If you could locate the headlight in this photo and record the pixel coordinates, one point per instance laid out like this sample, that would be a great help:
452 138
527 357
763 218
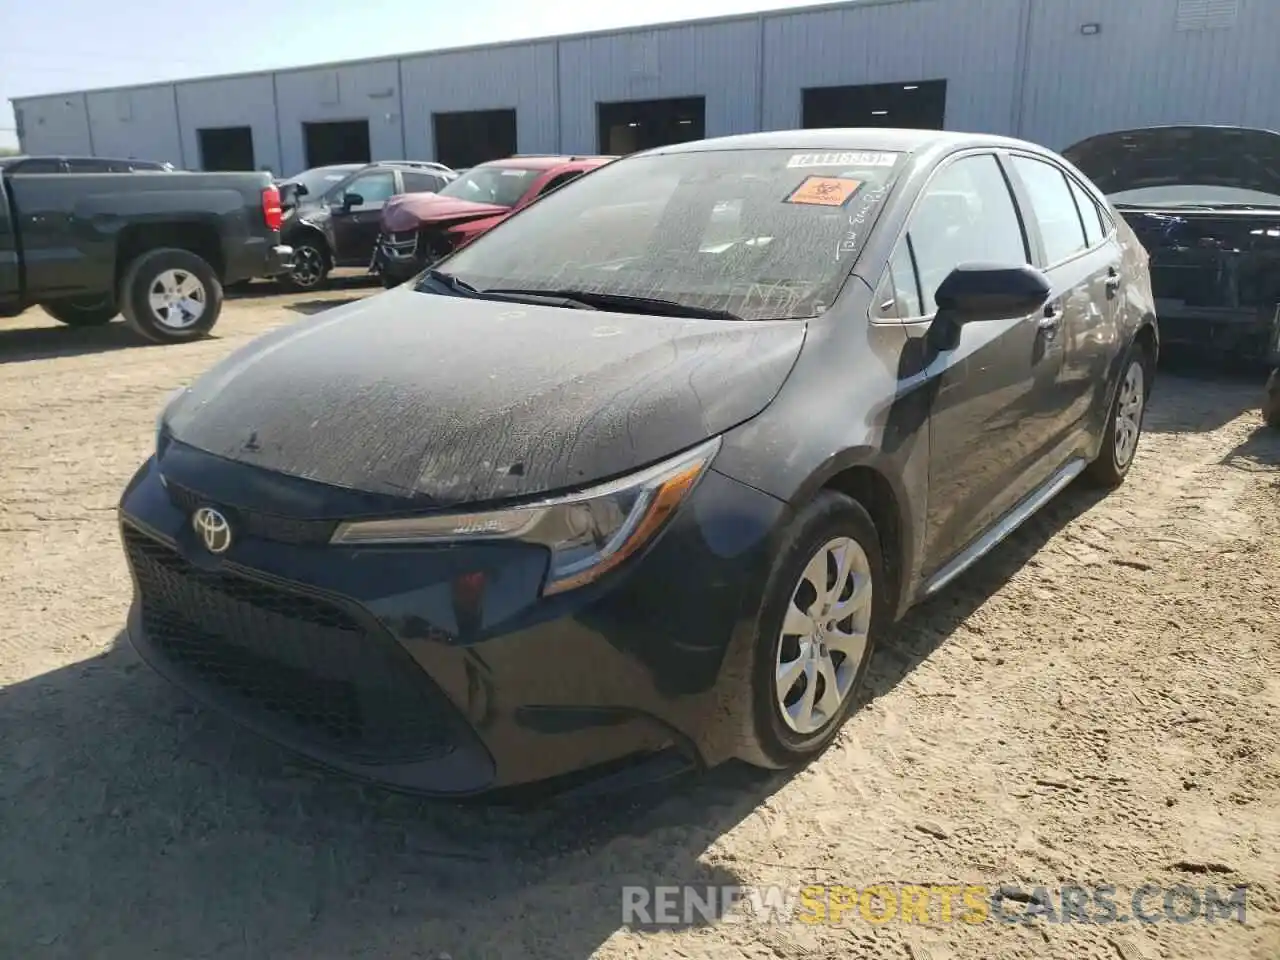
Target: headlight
588 533
164 409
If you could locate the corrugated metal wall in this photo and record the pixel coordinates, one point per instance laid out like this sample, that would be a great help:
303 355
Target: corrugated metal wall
716 61
141 122
358 91
521 76
58 124
972 44
1049 70
231 102
1139 69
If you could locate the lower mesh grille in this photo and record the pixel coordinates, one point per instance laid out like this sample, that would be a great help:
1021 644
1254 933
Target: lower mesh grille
302 665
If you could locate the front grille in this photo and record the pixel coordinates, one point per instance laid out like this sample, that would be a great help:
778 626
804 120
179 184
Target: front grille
402 246
299 665
265 526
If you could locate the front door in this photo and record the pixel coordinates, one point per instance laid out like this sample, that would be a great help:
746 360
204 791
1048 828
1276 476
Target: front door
355 226
990 390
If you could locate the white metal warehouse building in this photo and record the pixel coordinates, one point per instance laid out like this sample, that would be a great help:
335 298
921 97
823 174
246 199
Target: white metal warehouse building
1052 71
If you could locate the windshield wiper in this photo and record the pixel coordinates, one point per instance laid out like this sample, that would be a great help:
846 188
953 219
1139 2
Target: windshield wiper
623 304
452 282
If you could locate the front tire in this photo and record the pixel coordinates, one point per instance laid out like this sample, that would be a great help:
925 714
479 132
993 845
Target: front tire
824 605
1124 424
92 312
171 296
311 266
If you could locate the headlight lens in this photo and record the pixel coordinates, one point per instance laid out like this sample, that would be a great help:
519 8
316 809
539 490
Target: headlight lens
164 409
588 533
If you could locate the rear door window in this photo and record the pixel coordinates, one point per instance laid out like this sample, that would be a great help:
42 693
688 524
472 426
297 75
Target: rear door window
1053 208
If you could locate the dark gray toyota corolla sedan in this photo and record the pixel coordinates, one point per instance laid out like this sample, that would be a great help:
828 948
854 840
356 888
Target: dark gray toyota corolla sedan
634 481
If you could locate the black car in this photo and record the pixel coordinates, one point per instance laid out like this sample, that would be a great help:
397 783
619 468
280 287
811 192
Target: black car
643 472
59 164
332 212
1205 201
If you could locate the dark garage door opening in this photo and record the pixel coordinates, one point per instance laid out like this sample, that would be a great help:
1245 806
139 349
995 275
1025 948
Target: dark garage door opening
644 124
921 105
226 148
337 141
471 137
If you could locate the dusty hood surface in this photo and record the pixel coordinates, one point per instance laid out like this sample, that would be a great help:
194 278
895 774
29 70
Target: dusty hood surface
408 210
1236 157
454 400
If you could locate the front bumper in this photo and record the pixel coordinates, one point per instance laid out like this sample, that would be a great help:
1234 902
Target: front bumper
398 257
442 670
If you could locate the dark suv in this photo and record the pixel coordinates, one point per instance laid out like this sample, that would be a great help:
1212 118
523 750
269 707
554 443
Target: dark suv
332 212
46 164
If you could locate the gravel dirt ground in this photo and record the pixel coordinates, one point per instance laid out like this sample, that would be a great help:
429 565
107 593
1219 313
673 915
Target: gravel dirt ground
1097 703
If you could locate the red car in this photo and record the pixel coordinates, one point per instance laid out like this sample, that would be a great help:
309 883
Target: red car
417 229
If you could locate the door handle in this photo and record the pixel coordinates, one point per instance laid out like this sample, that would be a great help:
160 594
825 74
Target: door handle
1113 280
1052 318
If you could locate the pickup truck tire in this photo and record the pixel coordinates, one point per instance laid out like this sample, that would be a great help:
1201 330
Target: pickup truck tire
311 265
82 313
170 296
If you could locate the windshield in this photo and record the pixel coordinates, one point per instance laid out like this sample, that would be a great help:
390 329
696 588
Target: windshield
760 234
1179 194
322 179
503 186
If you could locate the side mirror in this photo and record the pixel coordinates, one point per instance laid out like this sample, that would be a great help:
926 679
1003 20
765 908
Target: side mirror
350 200
978 292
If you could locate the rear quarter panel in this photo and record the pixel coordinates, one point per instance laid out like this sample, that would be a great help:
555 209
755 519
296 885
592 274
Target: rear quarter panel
70 225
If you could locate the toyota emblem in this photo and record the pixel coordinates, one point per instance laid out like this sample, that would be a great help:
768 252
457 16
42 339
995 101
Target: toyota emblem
212 529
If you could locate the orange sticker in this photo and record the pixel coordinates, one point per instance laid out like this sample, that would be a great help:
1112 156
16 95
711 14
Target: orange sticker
824 191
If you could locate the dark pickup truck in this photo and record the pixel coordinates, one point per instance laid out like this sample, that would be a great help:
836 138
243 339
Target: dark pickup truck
155 247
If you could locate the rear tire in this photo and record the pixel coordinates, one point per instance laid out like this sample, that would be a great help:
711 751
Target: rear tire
171 296
816 633
1271 400
1124 423
88 312
311 266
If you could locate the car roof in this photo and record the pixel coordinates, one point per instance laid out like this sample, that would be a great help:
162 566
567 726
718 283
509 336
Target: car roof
545 162
890 139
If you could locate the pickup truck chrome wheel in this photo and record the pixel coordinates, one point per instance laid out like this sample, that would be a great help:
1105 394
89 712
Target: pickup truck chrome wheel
1129 408
170 295
824 636
178 299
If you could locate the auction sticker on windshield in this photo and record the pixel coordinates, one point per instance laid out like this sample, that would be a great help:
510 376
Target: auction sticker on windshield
856 159
824 191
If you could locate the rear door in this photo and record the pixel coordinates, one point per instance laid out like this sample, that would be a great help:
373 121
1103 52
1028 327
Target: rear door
355 228
1083 266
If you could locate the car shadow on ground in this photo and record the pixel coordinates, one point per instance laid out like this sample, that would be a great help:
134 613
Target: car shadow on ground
1184 382
1259 453
21 344
135 824
312 307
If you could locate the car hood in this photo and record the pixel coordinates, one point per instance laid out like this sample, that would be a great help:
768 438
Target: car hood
452 400
409 210
1237 157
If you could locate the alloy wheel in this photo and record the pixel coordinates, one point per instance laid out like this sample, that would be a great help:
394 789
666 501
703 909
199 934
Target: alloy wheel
1129 408
824 636
177 299
308 266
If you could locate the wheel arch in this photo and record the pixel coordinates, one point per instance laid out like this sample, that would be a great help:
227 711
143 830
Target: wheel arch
863 476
